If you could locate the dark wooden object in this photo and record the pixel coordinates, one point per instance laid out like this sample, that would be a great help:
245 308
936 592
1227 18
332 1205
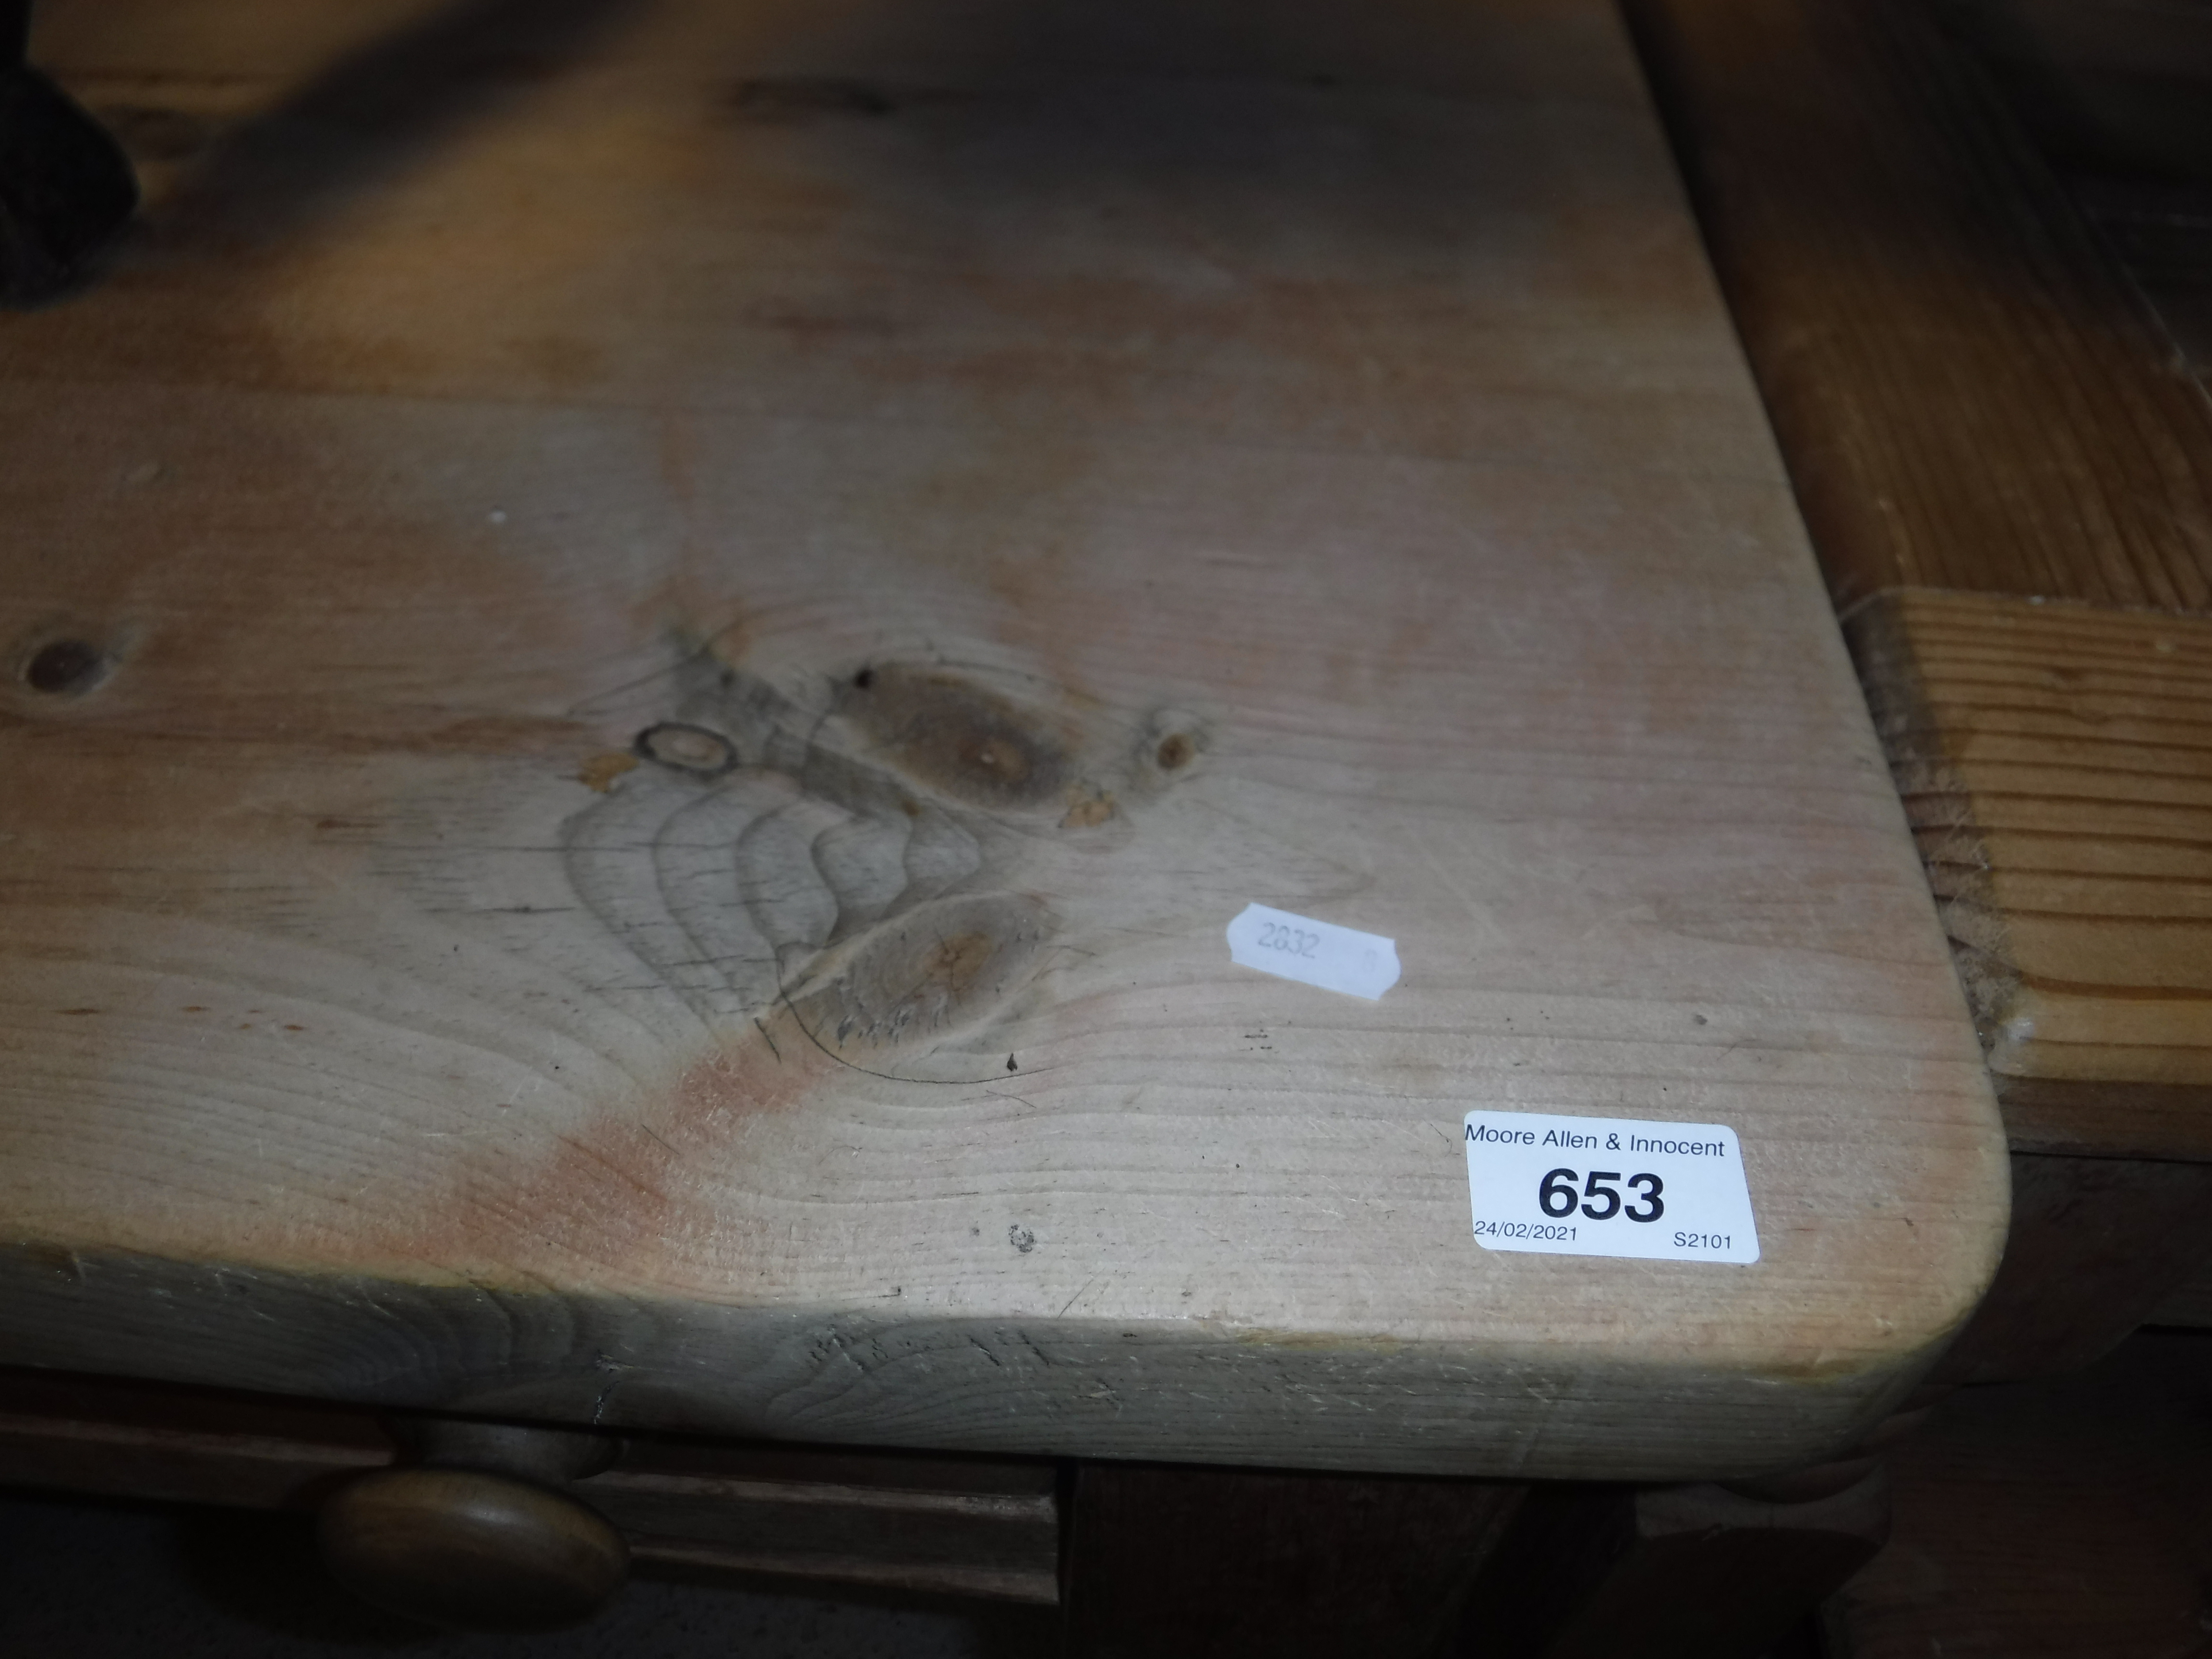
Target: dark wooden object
1676 1572
472 1548
2161 232
2063 1518
2113 85
1163 1560
1967 393
2097 1244
2007 468
66 187
482 1530
181 1445
1209 1563
980 1528
984 1527
2188 1304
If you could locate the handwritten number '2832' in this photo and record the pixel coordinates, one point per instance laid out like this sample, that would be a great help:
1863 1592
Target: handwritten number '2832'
1600 1199
1292 941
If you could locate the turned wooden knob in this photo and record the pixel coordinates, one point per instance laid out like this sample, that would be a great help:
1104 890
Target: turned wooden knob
470 1549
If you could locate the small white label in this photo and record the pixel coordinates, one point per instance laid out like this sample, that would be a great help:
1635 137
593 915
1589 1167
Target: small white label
1608 1185
1314 952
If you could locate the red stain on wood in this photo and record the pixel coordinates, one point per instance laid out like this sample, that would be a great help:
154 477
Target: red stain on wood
641 1192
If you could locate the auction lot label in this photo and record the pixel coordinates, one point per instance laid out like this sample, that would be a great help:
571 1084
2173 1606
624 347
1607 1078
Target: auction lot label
1608 1185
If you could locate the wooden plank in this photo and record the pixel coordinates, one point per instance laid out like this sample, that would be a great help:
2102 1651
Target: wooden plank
1969 395
129 1440
2056 762
929 1525
1979 411
1087 472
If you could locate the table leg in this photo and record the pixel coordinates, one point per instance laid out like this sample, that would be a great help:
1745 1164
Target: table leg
1666 1573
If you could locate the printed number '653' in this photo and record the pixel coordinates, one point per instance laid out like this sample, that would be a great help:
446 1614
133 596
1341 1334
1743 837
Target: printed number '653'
1600 1200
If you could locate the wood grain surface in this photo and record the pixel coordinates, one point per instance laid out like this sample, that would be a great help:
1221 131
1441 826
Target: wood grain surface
1948 320
1969 392
2056 762
650 644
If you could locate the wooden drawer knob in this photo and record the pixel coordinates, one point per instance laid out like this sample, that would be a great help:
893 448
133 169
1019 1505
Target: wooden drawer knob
470 1549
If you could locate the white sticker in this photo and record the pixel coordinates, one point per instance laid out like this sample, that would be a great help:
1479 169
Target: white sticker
1608 1185
1314 952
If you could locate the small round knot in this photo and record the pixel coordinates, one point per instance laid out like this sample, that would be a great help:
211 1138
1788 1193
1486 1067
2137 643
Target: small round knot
687 748
66 667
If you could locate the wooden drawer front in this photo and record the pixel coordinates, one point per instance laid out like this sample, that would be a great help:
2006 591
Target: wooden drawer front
944 1526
